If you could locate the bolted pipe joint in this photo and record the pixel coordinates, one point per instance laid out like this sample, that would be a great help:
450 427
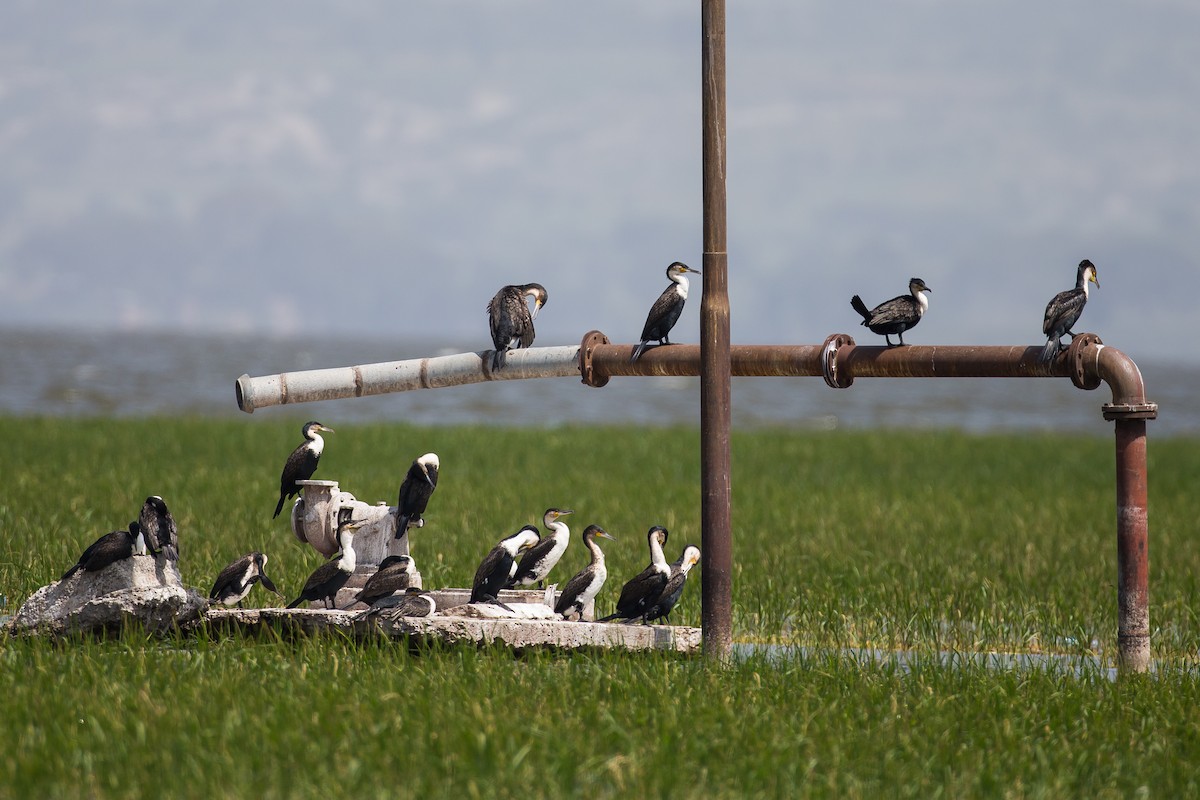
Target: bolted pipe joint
829 361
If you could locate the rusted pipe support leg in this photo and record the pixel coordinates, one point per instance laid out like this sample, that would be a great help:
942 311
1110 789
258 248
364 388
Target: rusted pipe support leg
1133 594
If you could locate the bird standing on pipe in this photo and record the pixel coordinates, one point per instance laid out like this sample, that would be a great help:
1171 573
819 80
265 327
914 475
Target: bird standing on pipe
896 315
1064 309
415 491
510 319
666 309
302 463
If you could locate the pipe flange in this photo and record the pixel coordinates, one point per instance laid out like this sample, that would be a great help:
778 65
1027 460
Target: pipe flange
829 365
591 340
1079 352
1115 411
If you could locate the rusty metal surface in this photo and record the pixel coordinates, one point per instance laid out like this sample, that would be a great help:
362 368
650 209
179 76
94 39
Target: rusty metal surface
1133 558
715 385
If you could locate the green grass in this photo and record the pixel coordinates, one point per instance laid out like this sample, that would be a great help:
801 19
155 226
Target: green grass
928 541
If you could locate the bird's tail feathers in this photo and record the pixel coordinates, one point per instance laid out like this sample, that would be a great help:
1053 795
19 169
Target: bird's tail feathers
278 507
858 305
295 603
1051 350
637 352
499 357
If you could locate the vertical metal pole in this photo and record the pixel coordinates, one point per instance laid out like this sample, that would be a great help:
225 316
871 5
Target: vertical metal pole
716 548
1133 562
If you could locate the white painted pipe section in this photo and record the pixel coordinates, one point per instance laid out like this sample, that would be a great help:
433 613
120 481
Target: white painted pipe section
403 376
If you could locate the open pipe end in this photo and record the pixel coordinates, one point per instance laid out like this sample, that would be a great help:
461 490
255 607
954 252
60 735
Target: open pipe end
239 388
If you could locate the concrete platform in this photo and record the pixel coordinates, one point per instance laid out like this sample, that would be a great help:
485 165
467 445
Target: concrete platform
454 629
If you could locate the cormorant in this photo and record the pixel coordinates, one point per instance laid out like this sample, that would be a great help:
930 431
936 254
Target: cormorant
1063 311
331 576
234 582
586 584
393 575
413 603
159 528
496 568
674 589
666 309
302 463
415 490
510 319
896 315
640 591
108 549
540 559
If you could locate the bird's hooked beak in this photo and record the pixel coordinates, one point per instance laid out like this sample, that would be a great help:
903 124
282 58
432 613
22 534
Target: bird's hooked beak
325 430
603 534
537 306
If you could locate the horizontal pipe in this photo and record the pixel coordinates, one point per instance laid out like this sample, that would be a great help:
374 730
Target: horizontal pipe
308 386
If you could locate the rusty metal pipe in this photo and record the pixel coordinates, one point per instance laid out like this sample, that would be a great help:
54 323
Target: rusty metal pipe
716 573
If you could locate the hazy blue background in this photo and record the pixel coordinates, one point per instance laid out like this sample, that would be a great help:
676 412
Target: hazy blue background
376 168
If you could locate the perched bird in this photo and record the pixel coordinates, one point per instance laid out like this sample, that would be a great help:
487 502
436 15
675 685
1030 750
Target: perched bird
413 603
640 591
510 319
159 528
896 315
540 559
108 549
415 491
234 582
331 576
661 608
1063 311
666 309
393 575
586 584
496 568
302 463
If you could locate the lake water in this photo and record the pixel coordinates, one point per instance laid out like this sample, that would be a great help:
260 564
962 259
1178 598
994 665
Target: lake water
128 374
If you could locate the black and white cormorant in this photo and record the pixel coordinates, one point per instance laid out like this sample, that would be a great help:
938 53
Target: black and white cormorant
393 575
642 590
666 309
159 528
1063 311
415 491
583 588
497 566
331 576
413 603
108 549
302 463
510 319
234 582
896 315
661 608
540 559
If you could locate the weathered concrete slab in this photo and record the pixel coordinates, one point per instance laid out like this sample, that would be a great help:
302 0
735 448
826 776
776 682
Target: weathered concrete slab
516 633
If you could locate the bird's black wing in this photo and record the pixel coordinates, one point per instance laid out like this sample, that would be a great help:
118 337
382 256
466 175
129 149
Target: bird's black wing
639 591
159 528
384 582
1063 312
92 559
671 592
898 310
572 590
229 576
491 574
663 315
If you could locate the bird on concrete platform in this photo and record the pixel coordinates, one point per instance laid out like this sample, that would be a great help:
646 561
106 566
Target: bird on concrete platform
583 588
1064 309
159 528
331 576
413 603
415 491
510 319
640 591
393 575
109 549
662 607
896 315
497 566
666 309
540 559
235 581
302 463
